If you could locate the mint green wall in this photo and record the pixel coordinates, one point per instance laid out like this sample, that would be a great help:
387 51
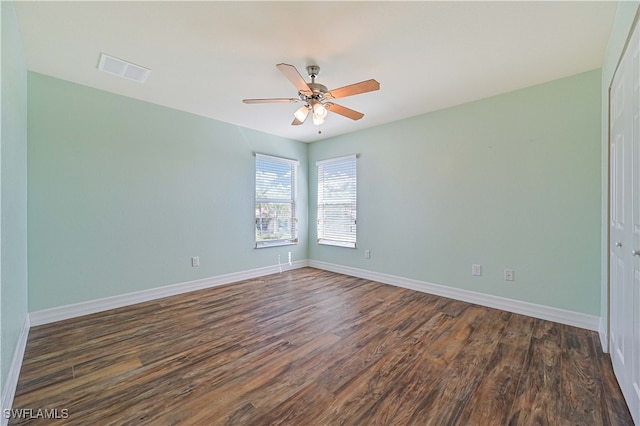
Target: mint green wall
511 181
13 203
621 28
122 193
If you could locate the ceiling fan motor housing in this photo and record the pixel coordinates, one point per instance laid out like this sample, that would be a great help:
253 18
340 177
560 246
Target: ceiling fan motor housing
318 89
313 71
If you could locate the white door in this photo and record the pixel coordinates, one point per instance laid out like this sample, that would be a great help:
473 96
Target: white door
625 225
634 68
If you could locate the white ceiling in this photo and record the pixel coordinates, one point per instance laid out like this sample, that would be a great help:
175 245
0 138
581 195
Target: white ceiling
206 57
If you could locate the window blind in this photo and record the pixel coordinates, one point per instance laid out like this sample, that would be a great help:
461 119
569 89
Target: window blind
337 201
276 222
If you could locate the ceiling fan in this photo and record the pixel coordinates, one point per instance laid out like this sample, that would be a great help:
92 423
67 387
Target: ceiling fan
316 96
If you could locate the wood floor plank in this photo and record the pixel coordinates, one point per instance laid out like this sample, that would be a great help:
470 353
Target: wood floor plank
311 347
399 403
452 390
491 402
55 393
308 403
538 395
245 385
614 408
578 379
359 395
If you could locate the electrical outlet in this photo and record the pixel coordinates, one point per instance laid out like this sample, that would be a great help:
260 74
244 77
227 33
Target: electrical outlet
367 254
508 274
195 261
476 269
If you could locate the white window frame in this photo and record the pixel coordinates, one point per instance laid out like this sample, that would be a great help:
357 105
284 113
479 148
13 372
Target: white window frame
337 221
275 198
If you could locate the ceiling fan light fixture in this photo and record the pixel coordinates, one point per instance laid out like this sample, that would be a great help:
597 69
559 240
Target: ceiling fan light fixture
301 113
319 113
319 110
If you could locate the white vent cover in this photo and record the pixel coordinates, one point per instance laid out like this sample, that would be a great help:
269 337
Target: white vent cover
122 68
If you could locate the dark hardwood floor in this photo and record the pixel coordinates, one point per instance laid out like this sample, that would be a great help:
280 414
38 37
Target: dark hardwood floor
310 347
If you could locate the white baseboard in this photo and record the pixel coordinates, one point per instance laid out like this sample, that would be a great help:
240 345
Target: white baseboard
576 319
9 389
93 306
604 335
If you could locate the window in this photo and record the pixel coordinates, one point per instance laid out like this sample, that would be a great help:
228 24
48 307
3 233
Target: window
275 201
337 196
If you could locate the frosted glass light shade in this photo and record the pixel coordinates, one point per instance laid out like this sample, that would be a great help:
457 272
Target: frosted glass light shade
301 113
319 111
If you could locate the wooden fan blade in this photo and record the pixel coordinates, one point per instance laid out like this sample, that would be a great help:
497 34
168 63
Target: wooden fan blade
270 100
344 111
294 77
354 89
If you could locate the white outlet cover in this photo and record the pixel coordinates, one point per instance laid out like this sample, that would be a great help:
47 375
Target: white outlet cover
476 269
508 274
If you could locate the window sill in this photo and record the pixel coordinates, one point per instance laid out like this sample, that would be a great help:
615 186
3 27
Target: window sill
266 244
345 244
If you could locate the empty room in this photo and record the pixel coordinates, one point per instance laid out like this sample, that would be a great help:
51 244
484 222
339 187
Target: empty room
320 213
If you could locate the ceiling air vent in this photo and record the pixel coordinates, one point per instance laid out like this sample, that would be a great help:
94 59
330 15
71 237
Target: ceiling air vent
122 68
